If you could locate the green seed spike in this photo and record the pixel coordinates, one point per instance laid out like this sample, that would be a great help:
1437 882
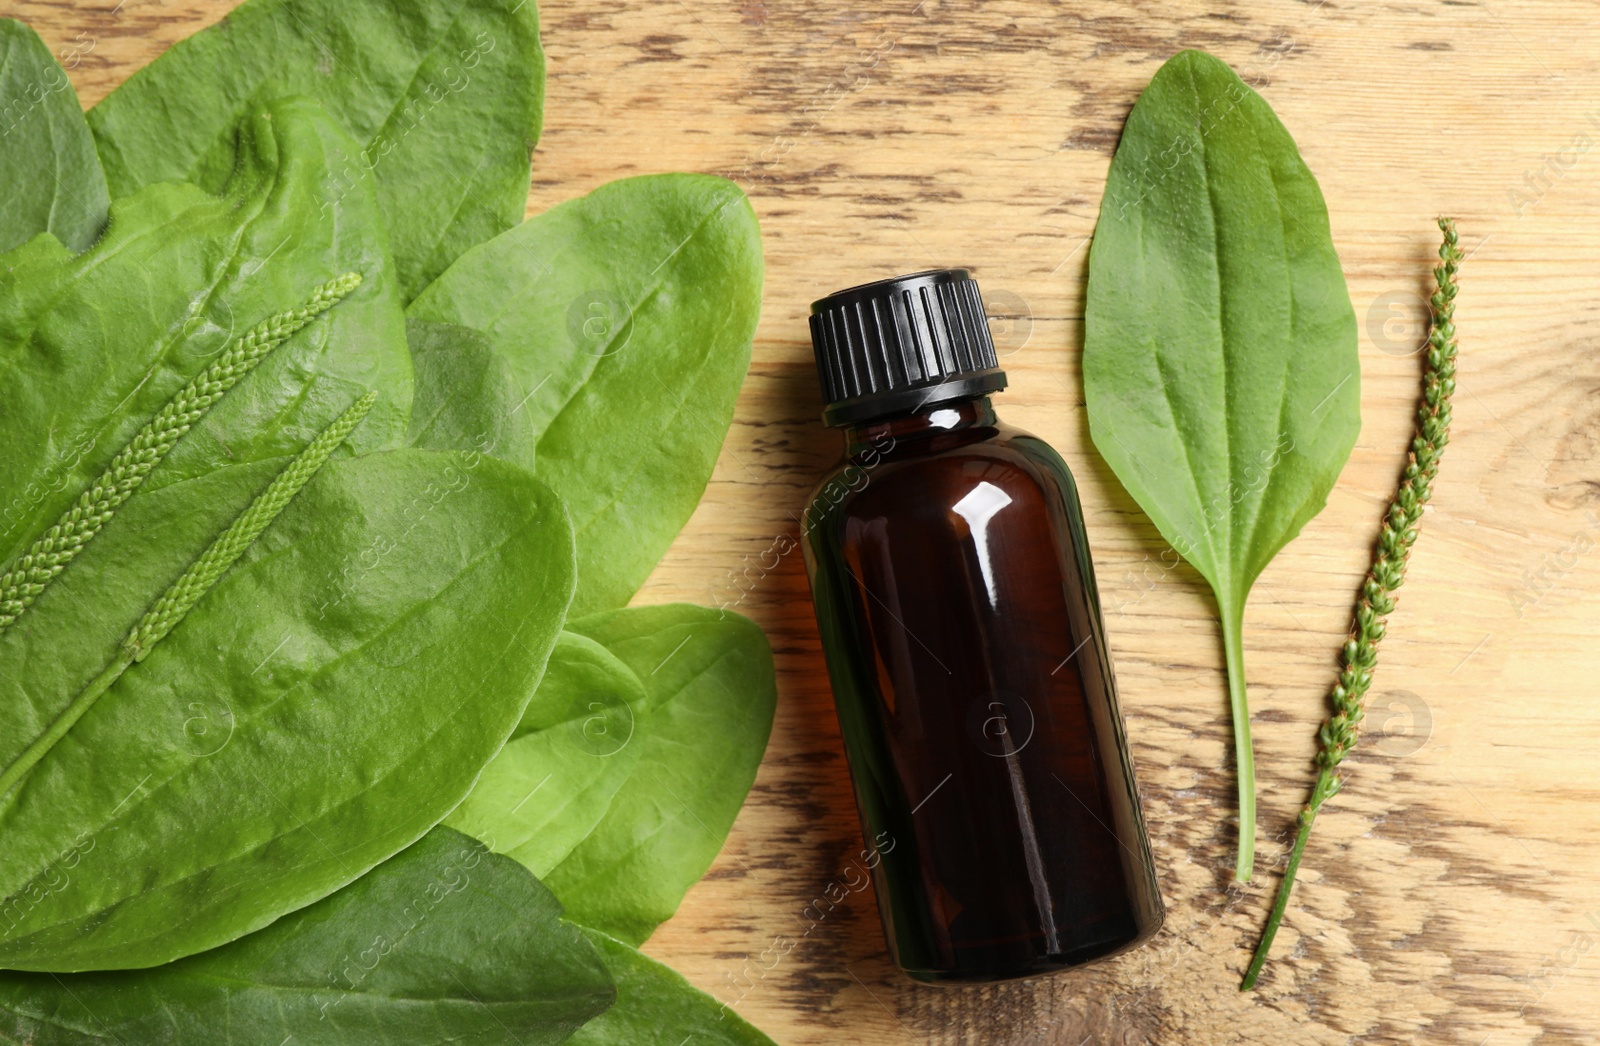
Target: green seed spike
214 562
24 579
1360 654
196 581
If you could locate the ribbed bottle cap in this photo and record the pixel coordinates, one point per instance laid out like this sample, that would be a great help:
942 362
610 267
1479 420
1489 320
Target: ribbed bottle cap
896 346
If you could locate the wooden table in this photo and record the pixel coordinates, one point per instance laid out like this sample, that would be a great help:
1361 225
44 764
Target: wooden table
1450 894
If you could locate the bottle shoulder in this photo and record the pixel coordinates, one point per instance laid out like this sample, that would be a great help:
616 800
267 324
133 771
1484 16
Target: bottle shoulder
933 473
1000 443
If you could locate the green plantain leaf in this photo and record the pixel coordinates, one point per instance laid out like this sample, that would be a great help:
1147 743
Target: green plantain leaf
331 698
575 747
51 178
657 1007
1219 363
444 98
442 943
465 394
626 318
632 761
343 683
712 695
92 346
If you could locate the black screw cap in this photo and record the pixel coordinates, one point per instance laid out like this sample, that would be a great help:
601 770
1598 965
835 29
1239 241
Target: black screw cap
897 346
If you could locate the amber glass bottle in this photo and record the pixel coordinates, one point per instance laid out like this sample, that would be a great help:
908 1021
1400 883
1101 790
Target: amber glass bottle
964 641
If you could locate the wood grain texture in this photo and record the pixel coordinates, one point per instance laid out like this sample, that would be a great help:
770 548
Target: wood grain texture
1450 892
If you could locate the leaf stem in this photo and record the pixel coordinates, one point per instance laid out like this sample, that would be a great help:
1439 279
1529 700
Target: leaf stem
1325 786
64 722
1341 730
1243 748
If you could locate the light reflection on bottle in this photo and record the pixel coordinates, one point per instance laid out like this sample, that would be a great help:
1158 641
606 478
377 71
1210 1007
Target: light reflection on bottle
978 508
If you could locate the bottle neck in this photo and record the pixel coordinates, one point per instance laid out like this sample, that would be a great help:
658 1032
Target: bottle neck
941 419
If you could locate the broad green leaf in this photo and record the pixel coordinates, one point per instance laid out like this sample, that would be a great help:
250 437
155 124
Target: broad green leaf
93 345
1219 361
657 1007
332 697
577 744
626 317
465 398
709 676
50 178
442 943
444 98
